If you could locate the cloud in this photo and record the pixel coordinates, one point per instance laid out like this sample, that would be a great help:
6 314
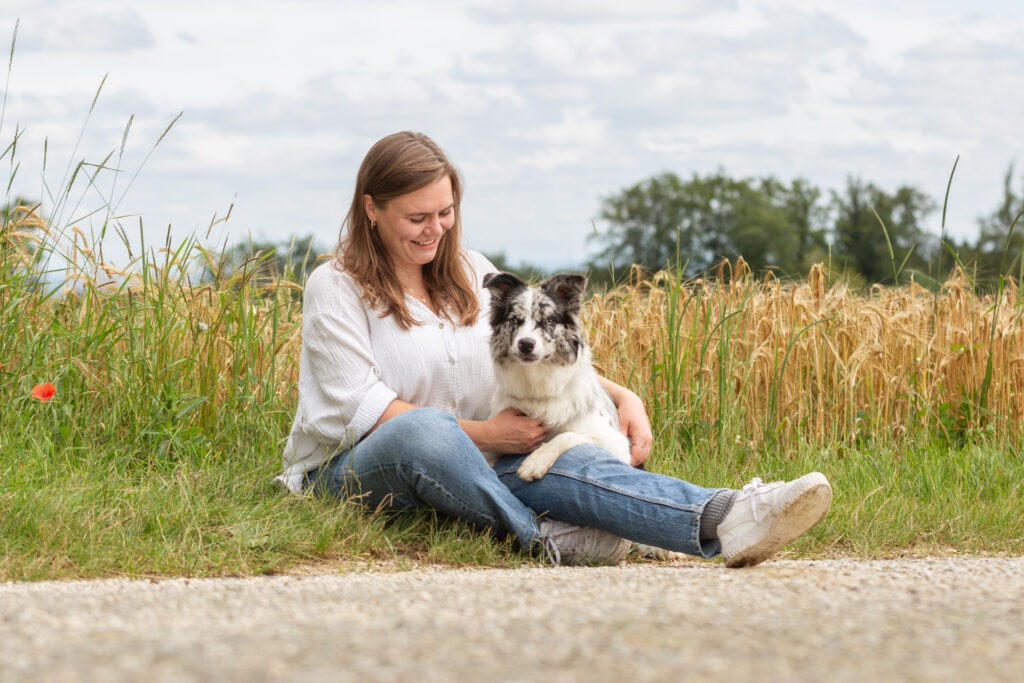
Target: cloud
797 35
75 30
948 93
545 107
576 11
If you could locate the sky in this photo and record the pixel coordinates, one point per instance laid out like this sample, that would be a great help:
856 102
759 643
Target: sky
546 107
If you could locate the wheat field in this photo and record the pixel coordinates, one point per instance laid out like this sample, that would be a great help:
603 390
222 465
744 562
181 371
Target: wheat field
816 363
146 408
759 360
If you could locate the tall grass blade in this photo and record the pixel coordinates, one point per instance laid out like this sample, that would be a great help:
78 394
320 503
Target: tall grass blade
135 175
10 70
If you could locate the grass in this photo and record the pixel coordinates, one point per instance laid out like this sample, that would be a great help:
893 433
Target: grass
175 387
907 399
173 398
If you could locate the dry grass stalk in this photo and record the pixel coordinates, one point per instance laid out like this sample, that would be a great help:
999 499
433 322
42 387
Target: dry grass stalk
814 362
198 337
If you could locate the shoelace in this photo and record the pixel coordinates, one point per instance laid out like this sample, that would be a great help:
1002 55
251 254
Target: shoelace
551 552
752 488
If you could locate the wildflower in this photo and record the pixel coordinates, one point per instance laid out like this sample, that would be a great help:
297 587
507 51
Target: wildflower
44 391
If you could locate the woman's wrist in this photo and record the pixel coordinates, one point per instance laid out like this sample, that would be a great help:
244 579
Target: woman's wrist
478 432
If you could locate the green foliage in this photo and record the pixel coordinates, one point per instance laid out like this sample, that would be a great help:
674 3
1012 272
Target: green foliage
667 222
878 235
868 234
269 262
1000 243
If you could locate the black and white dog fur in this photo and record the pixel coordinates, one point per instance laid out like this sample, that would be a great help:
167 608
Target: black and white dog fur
543 367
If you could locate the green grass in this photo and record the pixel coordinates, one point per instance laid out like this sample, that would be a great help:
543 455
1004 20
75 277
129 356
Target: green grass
918 499
95 511
156 456
81 512
176 386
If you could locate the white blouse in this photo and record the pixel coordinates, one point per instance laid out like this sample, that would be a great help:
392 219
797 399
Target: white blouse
354 363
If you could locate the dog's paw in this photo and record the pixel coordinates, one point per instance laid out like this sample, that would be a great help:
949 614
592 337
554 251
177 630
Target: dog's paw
532 469
541 460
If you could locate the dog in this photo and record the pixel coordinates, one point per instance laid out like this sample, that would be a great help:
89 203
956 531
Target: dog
543 368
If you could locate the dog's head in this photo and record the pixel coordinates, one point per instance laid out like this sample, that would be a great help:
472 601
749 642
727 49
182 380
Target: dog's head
533 324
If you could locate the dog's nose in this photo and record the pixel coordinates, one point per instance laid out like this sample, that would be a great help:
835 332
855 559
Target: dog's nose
526 345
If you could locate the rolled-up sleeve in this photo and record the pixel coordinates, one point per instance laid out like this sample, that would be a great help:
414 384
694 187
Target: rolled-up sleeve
355 363
341 395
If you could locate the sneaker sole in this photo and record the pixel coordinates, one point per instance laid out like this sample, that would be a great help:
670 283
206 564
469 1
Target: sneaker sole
806 508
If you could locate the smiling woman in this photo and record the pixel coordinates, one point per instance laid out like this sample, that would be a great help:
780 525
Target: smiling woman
411 228
403 231
397 387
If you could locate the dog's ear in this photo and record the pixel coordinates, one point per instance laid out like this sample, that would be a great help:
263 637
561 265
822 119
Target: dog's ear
567 287
500 284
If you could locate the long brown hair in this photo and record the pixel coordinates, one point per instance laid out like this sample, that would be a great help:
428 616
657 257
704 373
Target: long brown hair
396 165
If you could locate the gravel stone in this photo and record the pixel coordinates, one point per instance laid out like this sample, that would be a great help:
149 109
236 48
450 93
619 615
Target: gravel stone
936 619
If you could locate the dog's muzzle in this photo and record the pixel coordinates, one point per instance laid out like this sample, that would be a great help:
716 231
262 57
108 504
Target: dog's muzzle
525 348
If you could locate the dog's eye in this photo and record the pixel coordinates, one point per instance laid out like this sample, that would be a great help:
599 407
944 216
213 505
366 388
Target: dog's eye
550 322
514 320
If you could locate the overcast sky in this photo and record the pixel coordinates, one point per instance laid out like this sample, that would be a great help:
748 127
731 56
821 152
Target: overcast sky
546 107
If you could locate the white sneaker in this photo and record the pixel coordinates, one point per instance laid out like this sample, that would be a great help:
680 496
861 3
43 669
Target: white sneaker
765 517
580 545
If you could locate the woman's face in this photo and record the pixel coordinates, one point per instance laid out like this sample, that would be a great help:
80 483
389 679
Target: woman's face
412 225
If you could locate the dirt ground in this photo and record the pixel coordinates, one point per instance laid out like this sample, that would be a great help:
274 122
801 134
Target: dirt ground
935 619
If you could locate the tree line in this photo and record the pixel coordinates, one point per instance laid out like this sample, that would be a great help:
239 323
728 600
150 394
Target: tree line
863 232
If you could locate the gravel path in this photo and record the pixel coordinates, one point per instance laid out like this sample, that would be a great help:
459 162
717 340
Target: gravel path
948 619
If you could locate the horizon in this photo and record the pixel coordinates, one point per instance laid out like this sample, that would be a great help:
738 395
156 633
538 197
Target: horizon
545 110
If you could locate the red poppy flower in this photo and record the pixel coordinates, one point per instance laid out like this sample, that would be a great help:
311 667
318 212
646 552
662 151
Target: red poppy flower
44 392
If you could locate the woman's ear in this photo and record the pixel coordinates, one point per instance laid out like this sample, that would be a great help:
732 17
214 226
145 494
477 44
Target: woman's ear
370 208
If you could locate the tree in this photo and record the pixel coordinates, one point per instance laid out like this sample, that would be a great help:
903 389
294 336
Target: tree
806 216
666 222
879 235
647 225
1000 239
293 259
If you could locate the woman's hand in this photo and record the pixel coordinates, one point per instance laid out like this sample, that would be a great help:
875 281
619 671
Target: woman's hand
510 431
634 424
633 421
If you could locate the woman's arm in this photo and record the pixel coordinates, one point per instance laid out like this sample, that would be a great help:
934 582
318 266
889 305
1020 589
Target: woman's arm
341 395
633 421
510 431
395 408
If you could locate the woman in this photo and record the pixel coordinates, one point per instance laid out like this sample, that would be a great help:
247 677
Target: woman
394 394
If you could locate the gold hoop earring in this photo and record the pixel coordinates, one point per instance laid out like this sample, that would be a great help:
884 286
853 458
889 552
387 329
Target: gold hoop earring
373 225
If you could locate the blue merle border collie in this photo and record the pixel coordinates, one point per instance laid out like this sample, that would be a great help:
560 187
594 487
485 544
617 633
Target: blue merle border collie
543 367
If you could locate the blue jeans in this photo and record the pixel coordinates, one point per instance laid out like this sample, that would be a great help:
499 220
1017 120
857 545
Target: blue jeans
422 458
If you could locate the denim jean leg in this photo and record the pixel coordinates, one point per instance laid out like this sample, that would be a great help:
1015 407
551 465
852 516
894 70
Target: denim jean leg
422 458
589 487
